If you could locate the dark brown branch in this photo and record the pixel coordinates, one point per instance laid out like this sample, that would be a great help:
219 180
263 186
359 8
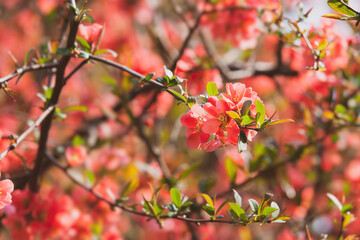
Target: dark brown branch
132 72
59 84
27 132
128 209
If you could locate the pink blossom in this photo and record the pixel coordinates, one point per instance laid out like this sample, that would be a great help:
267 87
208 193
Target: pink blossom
75 156
217 108
6 187
90 33
193 120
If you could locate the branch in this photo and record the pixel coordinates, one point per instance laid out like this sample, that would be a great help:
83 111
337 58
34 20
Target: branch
135 121
59 84
27 132
25 69
132 72
128 209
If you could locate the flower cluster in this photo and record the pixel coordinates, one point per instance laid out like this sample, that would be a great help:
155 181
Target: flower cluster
213 119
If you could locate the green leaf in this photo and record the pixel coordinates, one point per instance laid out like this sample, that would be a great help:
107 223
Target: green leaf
211 89
90 175
264 201
27 56
130 187
268 210
246 107
175 197
242 142
246 119
208 199
78 141
346 208
231 169
100 51
63 51
210 210
222 205
335 200
148 77
334 16
83 43
283 217
60 114
178 95
168 73
340 109
254 205
274 122
79 108
237 198
83 54
19 77
275 213
234 116
110 81
340 7
260 108
237 209
188 170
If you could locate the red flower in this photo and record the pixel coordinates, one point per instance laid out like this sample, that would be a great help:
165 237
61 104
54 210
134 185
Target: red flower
90 33
6 187
76 156
193 120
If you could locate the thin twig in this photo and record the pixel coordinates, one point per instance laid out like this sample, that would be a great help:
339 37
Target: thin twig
132 72
25 69
27 132
128 209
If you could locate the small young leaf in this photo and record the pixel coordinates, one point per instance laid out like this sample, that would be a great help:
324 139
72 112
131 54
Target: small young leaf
130 187
237 209
208 199
264 201
234 116
268 210
108 80
274 122
260 108
210 210
27 56
342 8
168 72
83 43
231 169
277 212
346 208
246 119
78 141
237 197
148 77
175 197
222 205
211 89
178 95
335 200
254 205
90 175
245 108
78 108
242 142
113 53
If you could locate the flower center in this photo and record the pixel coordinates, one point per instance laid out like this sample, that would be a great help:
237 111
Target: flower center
236 99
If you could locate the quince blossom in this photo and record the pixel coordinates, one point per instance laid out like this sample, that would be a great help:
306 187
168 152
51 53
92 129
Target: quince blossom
212 119
6 187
